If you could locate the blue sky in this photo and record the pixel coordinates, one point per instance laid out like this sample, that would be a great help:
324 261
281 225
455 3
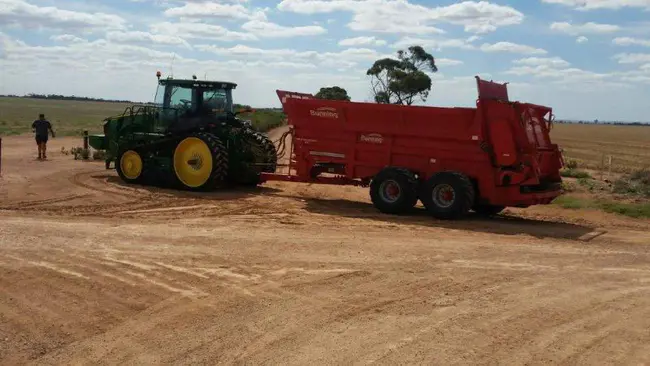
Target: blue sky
588 59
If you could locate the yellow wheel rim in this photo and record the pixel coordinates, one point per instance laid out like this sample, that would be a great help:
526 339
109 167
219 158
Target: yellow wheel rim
193 162
131 164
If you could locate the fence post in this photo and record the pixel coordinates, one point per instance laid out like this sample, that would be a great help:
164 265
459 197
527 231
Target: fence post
609 167
85 140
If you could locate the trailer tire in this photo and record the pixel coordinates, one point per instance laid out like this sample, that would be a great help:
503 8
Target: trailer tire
394 191
488 210
448 195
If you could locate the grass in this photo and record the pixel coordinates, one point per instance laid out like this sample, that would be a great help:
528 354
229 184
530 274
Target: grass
589 145
71 118
635 210
266 119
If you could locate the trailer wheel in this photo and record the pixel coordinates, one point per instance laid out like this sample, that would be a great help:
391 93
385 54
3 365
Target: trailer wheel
488 210
448 195
394 191
129 166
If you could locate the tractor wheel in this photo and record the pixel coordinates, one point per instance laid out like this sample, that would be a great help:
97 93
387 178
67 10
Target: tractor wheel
448 195
394 191
487 210
262 151
200 162
129 166
268 152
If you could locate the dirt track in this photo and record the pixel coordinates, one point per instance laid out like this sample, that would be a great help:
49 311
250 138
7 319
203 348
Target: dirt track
92 271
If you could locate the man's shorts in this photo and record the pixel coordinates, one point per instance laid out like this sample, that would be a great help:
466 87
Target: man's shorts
41 139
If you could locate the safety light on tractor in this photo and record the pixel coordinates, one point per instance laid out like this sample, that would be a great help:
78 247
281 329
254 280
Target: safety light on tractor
158 74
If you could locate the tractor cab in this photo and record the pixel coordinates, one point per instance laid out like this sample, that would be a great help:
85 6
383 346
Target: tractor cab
186 103
195 97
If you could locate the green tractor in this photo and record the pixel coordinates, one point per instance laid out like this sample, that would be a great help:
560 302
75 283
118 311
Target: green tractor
190 138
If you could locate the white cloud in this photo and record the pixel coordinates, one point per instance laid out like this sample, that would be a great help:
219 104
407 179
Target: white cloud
28 16
92 55
265 29
582 39
542 61
192 30
401 16
362 41
632 58
628 41
441 62
586 28
558 72
214 10
146 38
68 38
246 51
512 48
435 44
601 4
345 59
559 75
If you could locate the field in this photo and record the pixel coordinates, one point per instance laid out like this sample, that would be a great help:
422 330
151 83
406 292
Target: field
591 145
96 271
71 118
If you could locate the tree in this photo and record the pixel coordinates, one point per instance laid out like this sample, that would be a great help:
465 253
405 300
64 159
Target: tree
333 93
401 81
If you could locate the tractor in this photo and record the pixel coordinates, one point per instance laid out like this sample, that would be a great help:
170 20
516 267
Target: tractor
190 138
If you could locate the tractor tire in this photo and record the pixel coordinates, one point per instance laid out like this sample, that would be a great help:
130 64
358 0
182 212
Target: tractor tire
394 191
448 195
262 150
487 210
269 153
200 162
129 166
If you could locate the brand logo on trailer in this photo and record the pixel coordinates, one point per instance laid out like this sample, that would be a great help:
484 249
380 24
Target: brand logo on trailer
373 138
325 112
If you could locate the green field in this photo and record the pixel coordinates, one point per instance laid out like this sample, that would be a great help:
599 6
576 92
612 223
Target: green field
71 118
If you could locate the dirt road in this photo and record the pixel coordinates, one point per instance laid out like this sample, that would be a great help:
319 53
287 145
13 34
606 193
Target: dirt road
92 271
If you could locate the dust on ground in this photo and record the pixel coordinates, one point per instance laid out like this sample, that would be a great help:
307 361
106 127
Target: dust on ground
96 271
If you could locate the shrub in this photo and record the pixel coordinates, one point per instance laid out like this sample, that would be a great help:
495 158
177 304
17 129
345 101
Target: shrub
99 155
574 173
572 164
568 187
587 182
637 183
80 153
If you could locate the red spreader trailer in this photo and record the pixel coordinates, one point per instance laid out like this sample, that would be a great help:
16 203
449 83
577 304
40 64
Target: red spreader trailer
453 160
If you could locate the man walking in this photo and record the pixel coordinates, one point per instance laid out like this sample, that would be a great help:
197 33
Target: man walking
41 127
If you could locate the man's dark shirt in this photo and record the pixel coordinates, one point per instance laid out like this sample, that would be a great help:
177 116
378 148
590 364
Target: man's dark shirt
41 127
